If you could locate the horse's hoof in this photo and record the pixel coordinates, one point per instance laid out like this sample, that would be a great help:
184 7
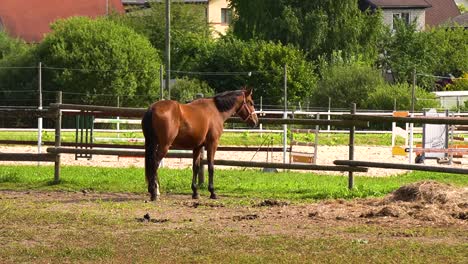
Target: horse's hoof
213 196
195 196
154 198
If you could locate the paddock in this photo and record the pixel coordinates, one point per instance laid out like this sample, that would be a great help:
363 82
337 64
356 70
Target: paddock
350 121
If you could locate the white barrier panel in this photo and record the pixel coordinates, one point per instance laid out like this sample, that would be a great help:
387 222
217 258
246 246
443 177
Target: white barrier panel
435 136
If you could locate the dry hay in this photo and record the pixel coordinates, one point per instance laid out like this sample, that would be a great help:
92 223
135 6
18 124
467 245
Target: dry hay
426 201
429 192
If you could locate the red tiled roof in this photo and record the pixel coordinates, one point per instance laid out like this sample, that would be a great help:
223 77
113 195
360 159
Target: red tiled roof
441 11
399 3
30 19
461 20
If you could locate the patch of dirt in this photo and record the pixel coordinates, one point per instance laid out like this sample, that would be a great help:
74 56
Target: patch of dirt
270 202
424 203
147 218
245 217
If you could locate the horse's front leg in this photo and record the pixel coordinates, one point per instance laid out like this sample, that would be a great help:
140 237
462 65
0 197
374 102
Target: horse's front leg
211 150
195 170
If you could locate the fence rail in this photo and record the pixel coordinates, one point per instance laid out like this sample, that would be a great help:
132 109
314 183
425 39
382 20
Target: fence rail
27 157
399 166
422 120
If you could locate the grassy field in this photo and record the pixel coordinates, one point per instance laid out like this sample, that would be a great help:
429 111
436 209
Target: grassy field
228 139
232 183
96 215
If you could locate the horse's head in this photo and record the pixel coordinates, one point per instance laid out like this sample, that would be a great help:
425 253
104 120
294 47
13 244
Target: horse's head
246 110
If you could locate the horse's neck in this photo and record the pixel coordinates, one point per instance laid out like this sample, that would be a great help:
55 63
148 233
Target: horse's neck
224 115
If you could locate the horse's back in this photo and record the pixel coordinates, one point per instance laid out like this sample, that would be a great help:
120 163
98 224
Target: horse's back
181 125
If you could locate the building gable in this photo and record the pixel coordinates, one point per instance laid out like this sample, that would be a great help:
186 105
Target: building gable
31 19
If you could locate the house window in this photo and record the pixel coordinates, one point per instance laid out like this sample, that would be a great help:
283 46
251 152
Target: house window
226 16
404 16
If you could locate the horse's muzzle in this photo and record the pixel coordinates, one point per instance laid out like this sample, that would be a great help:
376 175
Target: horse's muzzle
253 121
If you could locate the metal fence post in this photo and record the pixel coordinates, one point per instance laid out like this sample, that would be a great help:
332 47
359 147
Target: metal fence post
58 127
352 130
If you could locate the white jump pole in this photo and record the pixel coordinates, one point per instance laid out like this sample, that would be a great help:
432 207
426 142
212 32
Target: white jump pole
412 115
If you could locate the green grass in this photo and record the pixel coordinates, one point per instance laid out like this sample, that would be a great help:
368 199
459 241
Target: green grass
235 183
72 229
89 233
227 139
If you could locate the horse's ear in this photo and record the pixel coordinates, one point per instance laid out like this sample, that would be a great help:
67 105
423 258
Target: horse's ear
248 91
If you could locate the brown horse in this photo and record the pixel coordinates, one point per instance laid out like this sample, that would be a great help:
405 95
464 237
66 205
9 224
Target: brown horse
191 126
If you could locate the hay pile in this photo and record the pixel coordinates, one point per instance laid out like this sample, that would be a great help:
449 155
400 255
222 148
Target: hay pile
428 201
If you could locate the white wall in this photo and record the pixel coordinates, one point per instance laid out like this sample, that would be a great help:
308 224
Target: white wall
214 15
418 14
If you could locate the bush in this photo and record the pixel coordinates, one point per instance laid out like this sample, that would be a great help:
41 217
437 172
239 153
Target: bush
18 73
10 46
100 57
265 60
385 96
460 84
346 83
185 90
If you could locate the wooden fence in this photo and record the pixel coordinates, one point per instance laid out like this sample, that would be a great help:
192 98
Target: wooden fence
350 121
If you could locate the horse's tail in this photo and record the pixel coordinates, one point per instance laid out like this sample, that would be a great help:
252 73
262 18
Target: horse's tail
150 147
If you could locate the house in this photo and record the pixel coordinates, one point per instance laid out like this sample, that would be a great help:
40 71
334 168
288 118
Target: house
441 12
218 14
426 13
30 19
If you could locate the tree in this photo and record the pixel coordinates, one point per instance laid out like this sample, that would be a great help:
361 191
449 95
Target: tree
231 61
18 73
100 57
438 51
387 96
188 25
406 51
317 27
450 48
346 83
10 46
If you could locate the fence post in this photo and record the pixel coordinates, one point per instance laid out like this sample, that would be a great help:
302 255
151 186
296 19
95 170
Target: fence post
161 82
285 114
352 130
58 127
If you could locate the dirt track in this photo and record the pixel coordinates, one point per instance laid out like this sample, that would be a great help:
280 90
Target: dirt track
326 155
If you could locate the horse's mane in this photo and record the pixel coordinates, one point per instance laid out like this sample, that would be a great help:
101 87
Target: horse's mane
225 101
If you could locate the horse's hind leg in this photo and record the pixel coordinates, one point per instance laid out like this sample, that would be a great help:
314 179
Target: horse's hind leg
211 150
160 154
195 170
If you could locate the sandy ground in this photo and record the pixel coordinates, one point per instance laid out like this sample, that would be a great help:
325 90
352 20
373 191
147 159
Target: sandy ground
326 155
